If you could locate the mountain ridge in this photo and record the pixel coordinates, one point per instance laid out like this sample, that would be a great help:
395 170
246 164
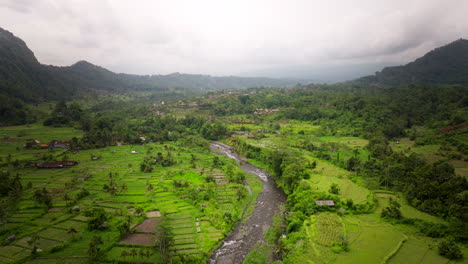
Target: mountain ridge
23 76
447 64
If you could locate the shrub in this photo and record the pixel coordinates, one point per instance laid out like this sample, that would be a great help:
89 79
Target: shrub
449 249
392 210
334 188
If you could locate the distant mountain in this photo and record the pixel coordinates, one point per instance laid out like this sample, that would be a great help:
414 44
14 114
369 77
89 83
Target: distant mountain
202 82
444 65
22 76
319 73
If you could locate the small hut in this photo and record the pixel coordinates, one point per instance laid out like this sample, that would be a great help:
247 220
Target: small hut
329 203
32 143
59 144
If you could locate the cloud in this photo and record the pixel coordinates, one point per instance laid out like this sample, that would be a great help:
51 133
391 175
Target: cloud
227 37
22 6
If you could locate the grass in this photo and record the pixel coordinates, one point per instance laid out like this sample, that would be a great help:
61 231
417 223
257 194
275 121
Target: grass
135 254
328 228
323 233
14 137
433 153
256 187
325 174
348 189
406 210
244 127
186 215
298 127
260 254
198 229
371 240
353 142
416 251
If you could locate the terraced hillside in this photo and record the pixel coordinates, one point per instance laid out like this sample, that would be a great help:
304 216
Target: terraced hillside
200 200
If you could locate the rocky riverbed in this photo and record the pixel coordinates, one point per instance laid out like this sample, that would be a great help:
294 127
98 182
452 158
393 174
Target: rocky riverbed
245 235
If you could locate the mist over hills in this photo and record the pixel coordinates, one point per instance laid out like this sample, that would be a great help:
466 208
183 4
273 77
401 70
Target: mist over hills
321 73
444 65
24 77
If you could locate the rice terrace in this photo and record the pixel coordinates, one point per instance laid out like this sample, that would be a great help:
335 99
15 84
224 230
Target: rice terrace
295 139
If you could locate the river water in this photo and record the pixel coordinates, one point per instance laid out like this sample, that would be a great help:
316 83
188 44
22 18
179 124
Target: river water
245 235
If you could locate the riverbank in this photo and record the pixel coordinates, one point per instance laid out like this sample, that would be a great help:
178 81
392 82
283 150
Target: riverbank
247 233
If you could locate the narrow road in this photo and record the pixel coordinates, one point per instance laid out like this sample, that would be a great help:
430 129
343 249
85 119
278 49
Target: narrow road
244 236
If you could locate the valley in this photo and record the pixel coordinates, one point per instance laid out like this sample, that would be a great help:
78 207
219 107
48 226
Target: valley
104 167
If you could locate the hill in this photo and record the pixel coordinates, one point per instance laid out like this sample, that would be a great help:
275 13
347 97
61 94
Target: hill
23 76
444 65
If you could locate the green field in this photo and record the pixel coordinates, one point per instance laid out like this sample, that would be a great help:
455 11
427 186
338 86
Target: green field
298 127
348 189
197 223
434 152
406 210
370 238
416 251
200 202
13 138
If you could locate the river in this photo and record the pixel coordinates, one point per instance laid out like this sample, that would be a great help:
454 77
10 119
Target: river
245 235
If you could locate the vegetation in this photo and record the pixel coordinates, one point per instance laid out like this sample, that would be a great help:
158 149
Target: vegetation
440 66
164 239
372 173
449 249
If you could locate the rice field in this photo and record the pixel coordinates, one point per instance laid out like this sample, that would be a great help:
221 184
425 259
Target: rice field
416 251
406 210
13 138
58 232
370 238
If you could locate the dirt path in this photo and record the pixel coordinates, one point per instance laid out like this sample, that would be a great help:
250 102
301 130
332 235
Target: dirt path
242 239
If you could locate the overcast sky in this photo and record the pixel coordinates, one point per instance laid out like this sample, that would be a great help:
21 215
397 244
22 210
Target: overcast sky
231 37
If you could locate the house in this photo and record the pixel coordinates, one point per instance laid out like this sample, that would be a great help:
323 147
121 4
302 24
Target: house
59 144
10 238
261 111
32 143
204 106
44 146
56 164
325 203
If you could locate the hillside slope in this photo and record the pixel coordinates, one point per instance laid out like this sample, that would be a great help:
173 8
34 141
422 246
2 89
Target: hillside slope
444 65
22 76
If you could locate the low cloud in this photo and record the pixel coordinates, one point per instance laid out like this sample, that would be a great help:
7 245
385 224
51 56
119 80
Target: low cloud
229 37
